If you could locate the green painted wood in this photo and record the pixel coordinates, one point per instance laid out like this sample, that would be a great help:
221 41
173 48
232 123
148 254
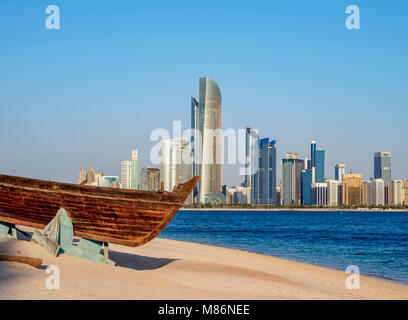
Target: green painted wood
8 230
4 229
57 238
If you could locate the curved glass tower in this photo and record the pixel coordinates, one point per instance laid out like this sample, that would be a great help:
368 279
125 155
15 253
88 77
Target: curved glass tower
208 141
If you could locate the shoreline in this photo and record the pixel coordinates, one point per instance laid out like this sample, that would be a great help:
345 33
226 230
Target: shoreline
294 209
171 269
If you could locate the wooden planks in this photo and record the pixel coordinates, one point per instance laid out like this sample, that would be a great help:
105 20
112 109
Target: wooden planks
126 217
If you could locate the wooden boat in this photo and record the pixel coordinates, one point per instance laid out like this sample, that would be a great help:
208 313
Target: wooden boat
125 217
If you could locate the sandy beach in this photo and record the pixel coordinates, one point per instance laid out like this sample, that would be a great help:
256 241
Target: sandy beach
167 269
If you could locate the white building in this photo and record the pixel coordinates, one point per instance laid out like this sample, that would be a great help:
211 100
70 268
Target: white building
333 192
130 172
397 192
125 174
176 164
375 192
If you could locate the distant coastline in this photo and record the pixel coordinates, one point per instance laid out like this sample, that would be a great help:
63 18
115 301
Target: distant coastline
297 209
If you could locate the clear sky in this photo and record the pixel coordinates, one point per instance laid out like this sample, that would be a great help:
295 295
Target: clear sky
85 95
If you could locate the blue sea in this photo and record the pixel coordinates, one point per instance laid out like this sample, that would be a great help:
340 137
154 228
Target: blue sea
377 242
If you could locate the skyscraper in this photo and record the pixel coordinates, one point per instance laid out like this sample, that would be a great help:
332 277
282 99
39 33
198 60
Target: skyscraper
352 189
339 171
317 163
263 183
332 192
291 191
377 192
251 138
406 192
150 179
382 166
320 165
176 164
397 194
130 172
134 170
82 176
206 120
306 187
125 174
91 177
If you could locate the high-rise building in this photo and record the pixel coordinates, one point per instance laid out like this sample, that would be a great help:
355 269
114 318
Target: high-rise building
251 139
382 166
317 163
176 164
206 121
82 176
365 191
306 177
263 183
339 171
397 193
291 190
320 165
332 192
406 192
125 174
134 170
91 177
352 189
130 172
313 154
319 194
377 192
150 179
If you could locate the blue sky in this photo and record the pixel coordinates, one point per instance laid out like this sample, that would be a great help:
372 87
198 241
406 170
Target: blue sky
87 94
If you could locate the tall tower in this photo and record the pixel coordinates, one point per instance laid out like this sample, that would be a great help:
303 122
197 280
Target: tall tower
263 188
339 171
291 190
125 174
206 119
134 170
251 138
317 163
382 166
82 176
176 166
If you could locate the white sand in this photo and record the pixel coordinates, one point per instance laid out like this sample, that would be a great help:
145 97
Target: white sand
167 269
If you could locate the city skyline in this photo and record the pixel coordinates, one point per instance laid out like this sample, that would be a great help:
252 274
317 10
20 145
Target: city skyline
314 79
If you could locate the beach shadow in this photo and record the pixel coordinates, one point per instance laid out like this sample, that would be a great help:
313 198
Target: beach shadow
136 262
125 260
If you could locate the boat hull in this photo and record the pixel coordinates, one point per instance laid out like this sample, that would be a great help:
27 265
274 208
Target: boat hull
125 217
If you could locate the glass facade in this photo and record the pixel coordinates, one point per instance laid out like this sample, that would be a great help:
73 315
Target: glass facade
263 190
382 166
176 164
339 171
319 165
307 187
251 138
291 191
206 120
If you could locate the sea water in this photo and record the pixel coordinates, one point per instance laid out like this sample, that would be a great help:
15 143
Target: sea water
376 242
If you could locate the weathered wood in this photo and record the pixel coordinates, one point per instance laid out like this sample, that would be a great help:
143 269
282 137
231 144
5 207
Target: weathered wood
35 262
125 217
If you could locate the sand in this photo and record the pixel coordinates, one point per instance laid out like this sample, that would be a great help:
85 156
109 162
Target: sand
167 269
